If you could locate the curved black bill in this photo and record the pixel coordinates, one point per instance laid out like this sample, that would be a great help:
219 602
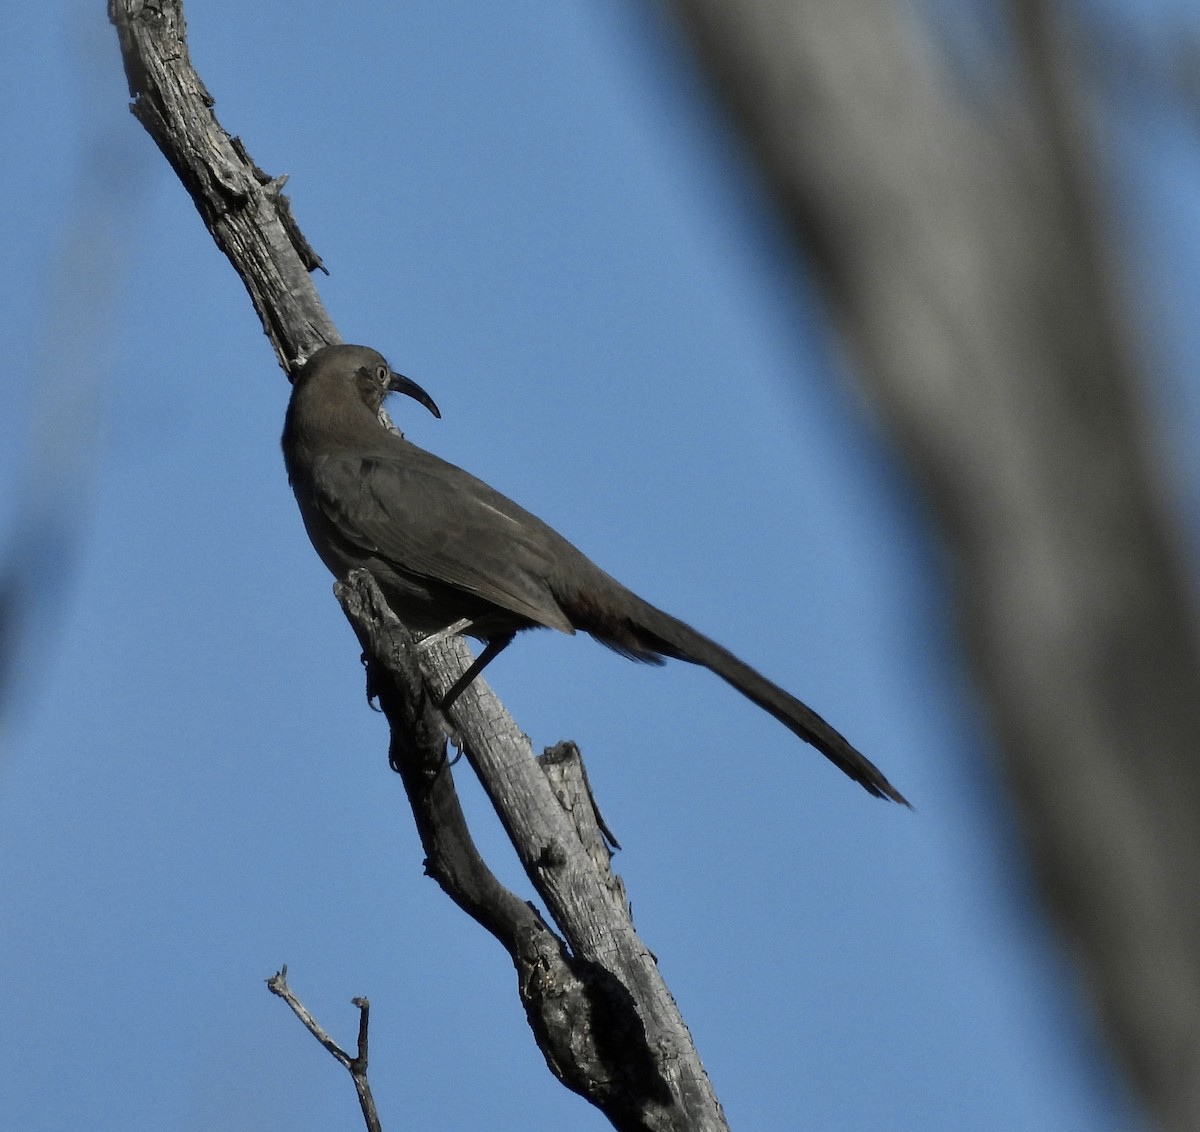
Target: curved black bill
398 383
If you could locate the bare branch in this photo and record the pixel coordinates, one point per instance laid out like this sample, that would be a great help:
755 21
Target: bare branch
243 208
277 984
595 1000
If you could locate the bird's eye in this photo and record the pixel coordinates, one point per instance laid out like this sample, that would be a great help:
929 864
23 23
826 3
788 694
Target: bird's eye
383 373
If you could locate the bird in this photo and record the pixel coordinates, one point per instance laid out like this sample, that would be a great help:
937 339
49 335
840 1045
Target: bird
452 554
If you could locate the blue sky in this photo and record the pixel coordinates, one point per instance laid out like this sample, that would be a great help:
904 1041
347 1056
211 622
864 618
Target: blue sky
539 215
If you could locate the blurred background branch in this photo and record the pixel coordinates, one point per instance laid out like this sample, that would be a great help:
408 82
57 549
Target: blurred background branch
965 249
61 399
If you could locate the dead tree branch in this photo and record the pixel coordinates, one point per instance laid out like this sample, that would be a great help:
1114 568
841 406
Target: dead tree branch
277 984
595 1000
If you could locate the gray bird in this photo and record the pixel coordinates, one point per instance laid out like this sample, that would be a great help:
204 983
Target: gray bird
447 549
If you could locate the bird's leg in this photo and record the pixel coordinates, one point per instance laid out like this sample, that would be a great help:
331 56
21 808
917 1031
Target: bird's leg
494 647
445 634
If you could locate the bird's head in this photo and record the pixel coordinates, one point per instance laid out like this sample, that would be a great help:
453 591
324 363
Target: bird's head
369 372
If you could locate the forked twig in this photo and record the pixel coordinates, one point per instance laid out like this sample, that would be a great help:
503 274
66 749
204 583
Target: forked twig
277 984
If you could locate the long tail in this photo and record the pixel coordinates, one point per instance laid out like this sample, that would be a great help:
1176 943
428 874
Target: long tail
650 633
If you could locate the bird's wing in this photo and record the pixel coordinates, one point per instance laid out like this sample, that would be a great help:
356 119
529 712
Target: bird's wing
431 519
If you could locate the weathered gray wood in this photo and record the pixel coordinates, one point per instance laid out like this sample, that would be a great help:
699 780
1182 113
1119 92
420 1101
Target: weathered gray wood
243 208
601 1012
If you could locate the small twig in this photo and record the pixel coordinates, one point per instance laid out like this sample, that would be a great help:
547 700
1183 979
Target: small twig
277 985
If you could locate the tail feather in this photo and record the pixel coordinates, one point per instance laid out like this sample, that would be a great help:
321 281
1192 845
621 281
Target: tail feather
655 632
